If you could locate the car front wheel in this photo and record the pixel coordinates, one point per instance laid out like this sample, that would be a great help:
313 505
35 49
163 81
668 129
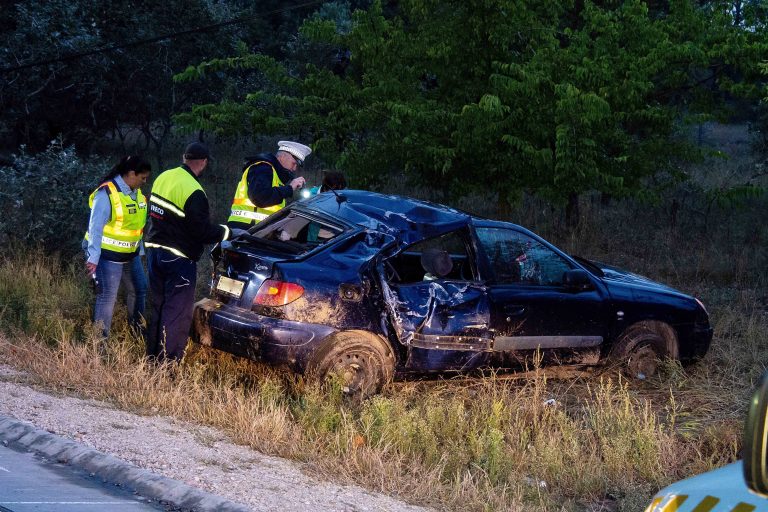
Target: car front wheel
642 347
362 361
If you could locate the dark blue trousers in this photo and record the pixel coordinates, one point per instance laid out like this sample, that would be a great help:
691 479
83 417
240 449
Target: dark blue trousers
172 287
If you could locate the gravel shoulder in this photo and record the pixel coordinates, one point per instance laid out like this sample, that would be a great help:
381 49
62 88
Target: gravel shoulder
198 456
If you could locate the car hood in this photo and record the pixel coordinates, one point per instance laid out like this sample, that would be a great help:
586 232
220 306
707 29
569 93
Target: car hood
621 282
618 275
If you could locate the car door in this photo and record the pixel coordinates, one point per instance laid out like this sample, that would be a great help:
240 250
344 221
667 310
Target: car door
530 307
440 312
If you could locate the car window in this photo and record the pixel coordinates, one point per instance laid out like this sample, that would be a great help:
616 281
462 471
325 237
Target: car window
518 258
296 230
443 257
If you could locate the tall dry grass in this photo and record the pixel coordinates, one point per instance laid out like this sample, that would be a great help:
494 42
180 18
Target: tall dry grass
594 442
39 295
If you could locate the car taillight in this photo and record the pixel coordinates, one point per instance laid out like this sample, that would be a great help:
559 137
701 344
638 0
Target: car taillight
277 293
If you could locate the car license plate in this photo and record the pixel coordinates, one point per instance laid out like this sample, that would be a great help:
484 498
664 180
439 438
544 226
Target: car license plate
230 286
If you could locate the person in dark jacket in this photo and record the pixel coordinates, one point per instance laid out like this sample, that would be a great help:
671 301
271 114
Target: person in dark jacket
179 227
267 181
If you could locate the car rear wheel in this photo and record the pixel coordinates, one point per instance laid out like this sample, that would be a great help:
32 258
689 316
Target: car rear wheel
362 361
642 347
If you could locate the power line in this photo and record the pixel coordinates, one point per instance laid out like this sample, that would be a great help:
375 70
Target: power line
156 39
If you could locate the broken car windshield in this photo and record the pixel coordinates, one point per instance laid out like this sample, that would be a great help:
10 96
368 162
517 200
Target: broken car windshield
294 233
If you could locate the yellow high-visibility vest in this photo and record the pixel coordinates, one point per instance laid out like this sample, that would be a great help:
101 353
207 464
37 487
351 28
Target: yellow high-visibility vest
122 234
243 210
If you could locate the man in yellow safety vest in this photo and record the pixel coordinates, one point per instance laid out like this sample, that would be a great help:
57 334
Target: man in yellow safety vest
179 227
267 181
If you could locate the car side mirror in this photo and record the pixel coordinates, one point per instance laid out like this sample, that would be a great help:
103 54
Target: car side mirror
756 440
577 280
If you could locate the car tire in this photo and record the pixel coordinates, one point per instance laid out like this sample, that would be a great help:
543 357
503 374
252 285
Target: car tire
363 361
642 346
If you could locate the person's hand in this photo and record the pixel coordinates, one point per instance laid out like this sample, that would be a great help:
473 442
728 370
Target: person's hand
90 268
297 183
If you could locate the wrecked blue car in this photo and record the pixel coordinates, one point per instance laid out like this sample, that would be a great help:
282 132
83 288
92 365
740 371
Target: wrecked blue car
369 286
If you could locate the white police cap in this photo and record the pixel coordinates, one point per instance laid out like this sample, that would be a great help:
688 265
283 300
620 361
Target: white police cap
300 151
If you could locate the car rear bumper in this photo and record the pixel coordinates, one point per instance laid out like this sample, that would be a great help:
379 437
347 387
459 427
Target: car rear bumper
261 338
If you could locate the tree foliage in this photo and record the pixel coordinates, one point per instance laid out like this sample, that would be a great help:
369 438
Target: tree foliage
102 93
499 97
125 89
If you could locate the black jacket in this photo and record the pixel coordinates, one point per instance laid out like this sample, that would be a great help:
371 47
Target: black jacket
260 189
189 233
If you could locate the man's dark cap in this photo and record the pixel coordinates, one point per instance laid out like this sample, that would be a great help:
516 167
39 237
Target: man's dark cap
196 151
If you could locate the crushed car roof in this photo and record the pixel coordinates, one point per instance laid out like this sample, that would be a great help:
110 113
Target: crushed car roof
408 219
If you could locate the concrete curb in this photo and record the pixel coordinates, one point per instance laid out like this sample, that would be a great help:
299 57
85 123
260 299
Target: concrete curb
112 469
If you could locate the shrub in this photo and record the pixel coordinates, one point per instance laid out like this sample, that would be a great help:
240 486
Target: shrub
44 197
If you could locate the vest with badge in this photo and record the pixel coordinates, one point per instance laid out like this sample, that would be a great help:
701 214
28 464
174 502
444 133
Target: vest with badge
122 234
243 210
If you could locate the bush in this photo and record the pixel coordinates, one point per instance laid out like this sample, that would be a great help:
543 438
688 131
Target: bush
44 198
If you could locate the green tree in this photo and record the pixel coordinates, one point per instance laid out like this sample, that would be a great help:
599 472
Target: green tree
499 97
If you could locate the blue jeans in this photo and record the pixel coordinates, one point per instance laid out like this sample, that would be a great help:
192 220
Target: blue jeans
172 281
134 283
109 274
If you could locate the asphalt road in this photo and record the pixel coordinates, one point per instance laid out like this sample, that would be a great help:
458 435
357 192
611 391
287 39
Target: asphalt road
101 468
29 482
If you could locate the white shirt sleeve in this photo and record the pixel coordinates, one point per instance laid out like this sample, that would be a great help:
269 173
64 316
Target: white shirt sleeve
101 213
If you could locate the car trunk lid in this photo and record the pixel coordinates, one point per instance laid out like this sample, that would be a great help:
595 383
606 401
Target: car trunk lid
240 273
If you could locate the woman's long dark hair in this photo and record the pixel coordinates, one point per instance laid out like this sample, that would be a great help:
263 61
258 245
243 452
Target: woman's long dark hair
128 163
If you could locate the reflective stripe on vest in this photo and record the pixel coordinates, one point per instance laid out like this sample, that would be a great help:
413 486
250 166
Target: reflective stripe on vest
169 249
239 215
178 252
111 243
165 204
243 210
126 223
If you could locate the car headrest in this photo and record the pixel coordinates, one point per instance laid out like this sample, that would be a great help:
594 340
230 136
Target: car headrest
436 262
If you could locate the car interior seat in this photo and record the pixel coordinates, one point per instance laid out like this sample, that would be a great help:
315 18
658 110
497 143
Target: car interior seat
436 263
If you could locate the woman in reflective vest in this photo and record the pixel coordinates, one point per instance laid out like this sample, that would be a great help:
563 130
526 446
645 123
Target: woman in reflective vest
113 241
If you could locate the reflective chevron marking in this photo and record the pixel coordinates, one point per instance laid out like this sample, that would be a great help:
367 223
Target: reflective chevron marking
674 502
743 507
707 504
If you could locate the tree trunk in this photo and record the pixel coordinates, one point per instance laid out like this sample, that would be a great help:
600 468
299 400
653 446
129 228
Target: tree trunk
572 214
503 208
673 210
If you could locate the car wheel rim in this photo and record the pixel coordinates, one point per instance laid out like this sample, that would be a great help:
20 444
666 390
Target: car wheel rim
355 373
643 362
